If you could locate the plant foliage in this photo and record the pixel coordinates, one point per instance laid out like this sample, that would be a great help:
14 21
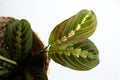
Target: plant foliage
69 43
17 35
17 62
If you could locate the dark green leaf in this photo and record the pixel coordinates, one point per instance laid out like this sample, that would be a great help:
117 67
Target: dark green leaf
4 53
5 57
19 39
6 64
5 72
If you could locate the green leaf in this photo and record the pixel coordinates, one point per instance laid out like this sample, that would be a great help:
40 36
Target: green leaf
69 43
5 72
4 53
82 55
19 39
68 51
73 30
6 64
5 57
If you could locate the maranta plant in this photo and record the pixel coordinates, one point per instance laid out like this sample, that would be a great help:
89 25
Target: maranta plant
68 45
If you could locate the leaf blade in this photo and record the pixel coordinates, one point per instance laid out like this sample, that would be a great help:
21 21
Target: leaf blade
75 29
87 58
19 39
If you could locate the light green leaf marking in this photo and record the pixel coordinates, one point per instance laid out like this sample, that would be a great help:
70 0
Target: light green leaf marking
7 60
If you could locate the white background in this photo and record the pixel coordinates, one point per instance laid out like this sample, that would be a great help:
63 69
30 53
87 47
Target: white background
44 15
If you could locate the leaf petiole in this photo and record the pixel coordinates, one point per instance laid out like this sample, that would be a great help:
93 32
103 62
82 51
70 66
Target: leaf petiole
8 60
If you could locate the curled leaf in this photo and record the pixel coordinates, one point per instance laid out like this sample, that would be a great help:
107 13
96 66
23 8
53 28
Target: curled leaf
19 39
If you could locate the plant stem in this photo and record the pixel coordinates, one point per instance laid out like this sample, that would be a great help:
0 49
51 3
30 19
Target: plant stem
43 50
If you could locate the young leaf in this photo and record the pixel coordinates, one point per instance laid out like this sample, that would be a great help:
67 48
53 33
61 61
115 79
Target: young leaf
19 39
73 30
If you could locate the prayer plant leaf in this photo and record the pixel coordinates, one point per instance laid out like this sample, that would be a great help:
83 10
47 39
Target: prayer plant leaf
19 39
73 30
82 55
69 43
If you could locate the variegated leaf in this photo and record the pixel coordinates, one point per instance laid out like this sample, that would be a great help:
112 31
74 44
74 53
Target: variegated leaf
19 39
69 44
73 30
81 56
